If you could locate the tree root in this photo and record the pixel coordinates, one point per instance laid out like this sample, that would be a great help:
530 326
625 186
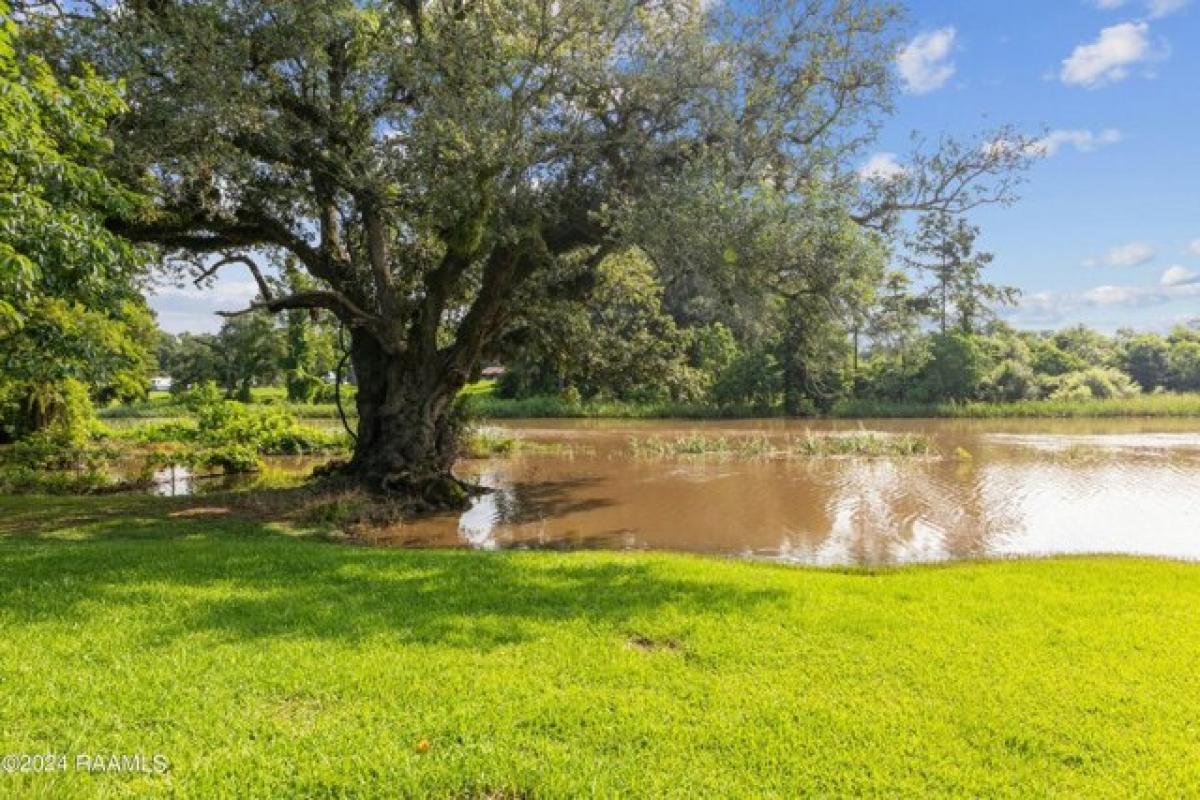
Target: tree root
417 490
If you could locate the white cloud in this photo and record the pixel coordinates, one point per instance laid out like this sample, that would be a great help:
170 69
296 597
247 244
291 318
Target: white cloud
1155 8
1161 8
1112 295
1194 247
221 291
1139 296
1050 308
1179 276
1110 57
881 167
1127 255
1082 140
924 63
189 308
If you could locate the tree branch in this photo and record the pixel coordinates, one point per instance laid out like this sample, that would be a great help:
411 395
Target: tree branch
345 310
263 287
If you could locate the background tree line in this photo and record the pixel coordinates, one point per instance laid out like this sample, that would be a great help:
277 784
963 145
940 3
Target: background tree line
918 327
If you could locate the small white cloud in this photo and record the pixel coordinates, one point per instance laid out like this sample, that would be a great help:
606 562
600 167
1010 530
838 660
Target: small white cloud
1140 296
221 291
881 167
924 63
1082 140
1179 276
1161 8
1110 57
1155 8
1127 255
1111 295
1042 308
1194 247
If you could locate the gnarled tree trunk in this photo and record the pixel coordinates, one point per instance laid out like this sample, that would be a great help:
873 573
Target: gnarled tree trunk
407 427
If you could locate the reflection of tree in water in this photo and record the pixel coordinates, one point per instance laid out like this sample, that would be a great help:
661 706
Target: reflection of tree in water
895 511
522 503
523 508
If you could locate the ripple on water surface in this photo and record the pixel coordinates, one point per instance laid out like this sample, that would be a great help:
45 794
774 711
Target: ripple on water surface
999 488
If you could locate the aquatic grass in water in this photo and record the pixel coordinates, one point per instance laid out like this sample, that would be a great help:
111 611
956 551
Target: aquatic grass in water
700 444
490 442
866 444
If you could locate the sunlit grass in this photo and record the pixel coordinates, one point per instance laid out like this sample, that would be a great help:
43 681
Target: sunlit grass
264 663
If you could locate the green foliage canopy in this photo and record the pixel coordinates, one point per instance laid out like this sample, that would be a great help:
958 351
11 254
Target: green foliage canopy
70 309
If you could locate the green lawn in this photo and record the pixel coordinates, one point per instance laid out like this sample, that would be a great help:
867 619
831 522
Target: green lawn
265 663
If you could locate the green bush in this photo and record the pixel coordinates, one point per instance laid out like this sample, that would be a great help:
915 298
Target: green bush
752 378
232 435
1097 383
1145 360
955 370
16 479
1011 381
1184 366
56 461
58 449
29 407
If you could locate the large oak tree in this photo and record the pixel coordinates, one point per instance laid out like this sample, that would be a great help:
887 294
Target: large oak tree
438 165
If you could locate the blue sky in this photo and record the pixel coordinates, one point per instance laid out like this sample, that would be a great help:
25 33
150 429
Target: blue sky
1107 230
1115 205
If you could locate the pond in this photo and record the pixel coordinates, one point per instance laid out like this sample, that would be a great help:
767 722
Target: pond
998 488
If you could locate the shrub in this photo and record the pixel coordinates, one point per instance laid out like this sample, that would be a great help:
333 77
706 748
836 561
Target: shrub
1145 360
572 397
1184 366
1010 381
58 449
56 461
27 480
29 407
955 370
1097 383
752 378
232 435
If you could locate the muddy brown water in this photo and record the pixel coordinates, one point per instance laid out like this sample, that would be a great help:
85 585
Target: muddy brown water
1000 488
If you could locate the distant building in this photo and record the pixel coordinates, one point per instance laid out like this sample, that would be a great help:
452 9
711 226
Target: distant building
492 372
160 383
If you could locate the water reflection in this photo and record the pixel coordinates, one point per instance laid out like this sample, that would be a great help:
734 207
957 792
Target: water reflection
1023 487
183 481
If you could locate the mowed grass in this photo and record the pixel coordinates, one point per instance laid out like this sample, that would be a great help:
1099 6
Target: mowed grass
267 663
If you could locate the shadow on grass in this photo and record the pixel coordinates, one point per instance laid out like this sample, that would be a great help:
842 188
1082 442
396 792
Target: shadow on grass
242 579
